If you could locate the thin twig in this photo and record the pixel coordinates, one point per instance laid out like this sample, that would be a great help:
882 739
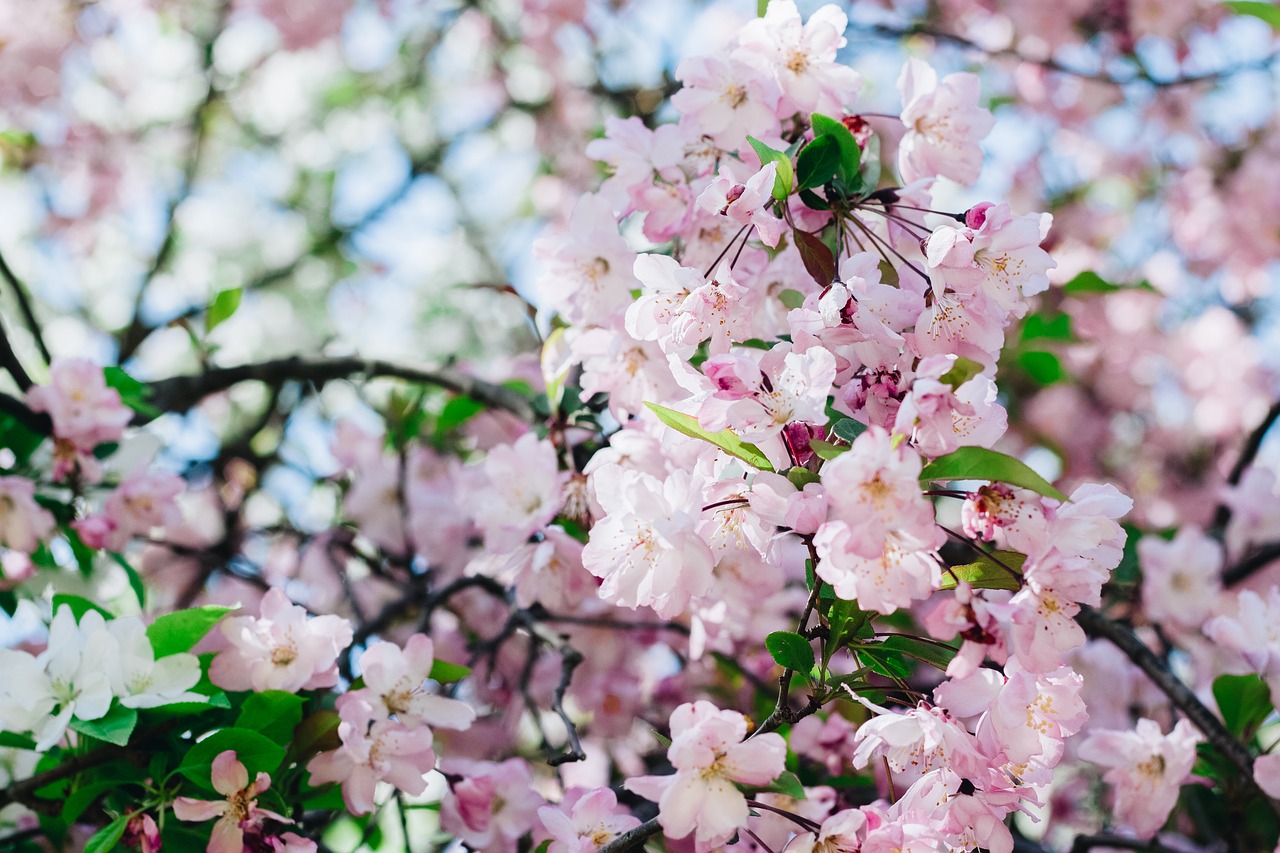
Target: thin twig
23 297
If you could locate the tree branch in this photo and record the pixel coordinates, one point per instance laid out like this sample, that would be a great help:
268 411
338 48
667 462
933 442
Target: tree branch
633 838
1252 444
1097 625
1257 559
24 305
181 393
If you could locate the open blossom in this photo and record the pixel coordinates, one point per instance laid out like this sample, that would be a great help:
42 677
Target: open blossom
585 820
516 491
138 678
24 524
944 122
281 649
374 749
238 813
1181 578
145 500
874 489
645 547
940 419
1253 634
1147 770
489 805
83 409
801 57
745 202
757 399
709 755
393 683
726 98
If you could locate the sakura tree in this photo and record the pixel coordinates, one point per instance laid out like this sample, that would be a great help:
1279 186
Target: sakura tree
545 427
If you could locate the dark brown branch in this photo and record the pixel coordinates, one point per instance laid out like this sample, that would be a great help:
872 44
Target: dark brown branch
10 362
34 421
180 393
1097 625
1252 444
1253 561
23 298
633 838
23 791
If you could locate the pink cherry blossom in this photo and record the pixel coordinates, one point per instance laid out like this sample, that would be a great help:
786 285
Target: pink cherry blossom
745 202
490 805
281 649
516 491
84 410
801 57
394 679
584 821
726 98
1147 770
374 749
1181 580
238 813
24 524
944 122
709 755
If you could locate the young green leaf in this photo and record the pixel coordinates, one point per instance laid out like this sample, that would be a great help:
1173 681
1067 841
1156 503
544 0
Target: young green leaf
79 606
961 372
258 753
785 177
818 162
222 306
791 299
725 439
108 838
979 463
115 727
180 631
825 449
133 393
790 650
274 713
787 784
932 653
848 429
850 153
445 672
987 573
1244 702
1268 12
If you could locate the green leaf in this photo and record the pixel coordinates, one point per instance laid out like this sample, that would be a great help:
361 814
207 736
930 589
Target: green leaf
1263 11
961 372
133 393
256 752
108 838
986 573
456 412
18 437
84 796
818 162
790 650
445 672
791 299
725 439
274 714
1244 702
135 580
848 429
546 844
79 606
785 177
801 477
979 463
932 653
817 257
1044 367
180 631
884 661
317 733
762 6
221 307
1045 326
10 740
850 153
787 784
844 620
825 449
1090 282
114 728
